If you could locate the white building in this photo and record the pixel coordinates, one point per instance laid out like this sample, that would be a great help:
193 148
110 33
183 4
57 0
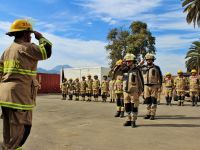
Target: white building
79 72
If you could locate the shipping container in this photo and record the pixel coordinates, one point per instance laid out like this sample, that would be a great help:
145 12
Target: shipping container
50 83
79 72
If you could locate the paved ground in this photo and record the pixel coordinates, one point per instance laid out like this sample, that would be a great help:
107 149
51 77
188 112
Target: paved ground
71 125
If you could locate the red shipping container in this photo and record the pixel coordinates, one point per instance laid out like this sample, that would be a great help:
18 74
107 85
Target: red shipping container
50 83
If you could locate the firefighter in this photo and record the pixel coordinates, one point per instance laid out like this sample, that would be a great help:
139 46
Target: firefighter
18 67
169 84
152 82
70 89
95 88
133 86
118 88
77 88
115 71
111 90
89 87
104 88
83 88
180 83
64 89
194 87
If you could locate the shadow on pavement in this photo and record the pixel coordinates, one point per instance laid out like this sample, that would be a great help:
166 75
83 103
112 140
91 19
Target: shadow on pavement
171 125
182 117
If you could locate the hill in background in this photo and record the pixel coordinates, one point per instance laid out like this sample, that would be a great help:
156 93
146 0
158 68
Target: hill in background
55 70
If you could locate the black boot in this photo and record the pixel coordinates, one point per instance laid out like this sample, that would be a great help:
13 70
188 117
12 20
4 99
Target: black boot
63 96
127 123
170 101
147 116
122 114
152 117
179 100
133 124
117 114
167 100
196 100
193 101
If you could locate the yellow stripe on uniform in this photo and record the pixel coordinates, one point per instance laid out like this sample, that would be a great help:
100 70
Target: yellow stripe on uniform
20 71
43 40
16 106
42 43
1 69
43 51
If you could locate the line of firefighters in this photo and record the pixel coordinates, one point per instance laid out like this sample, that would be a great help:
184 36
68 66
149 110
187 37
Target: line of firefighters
129 81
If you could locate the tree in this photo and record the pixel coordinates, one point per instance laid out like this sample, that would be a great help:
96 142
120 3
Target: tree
193 57
117 44
137 40
192 7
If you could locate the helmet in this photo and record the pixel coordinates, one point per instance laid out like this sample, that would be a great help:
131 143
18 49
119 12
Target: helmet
168 74
83 76
20 25
77 78
95 75
70 79
119 62
129 57
193 71
149 56
180 71
119 77
88 75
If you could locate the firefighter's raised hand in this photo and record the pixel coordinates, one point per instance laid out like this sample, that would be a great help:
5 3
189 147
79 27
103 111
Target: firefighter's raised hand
37 35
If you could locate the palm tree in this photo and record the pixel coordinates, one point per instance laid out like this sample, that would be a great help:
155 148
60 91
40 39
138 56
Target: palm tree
192 7
193 57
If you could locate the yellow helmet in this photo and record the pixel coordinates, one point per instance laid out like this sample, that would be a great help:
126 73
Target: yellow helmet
20 25
129 57
180 71
119 62
149 56
168 74
193 71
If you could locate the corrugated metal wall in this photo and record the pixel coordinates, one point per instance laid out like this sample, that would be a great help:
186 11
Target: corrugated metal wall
50 83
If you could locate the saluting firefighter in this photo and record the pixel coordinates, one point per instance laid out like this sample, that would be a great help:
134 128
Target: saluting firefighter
118 88
64 86
96 87
77 89
169 85
180 83
116 70
70 89
152 82
89 88
83 86
194 87
133 86
104 88
18 88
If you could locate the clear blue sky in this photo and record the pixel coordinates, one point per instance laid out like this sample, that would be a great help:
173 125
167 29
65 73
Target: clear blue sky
78 28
